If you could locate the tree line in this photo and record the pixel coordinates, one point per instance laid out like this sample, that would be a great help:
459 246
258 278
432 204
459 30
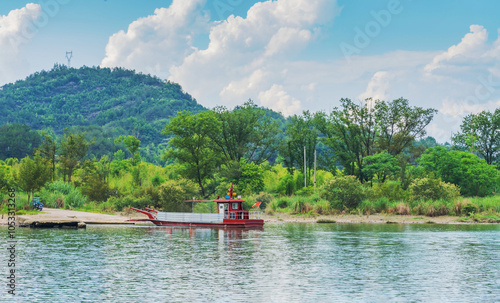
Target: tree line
377 142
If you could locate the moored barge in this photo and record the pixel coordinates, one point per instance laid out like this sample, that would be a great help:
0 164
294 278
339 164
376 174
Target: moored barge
230 215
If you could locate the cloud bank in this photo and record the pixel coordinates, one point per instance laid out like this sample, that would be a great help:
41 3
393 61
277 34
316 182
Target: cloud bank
258 57
17 29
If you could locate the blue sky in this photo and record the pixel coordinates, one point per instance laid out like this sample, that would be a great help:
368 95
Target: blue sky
288 55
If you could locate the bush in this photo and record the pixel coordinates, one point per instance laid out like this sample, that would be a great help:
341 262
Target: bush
390 190
469 208
265 198
282 202
343 192
61 194
322 208
286 185
472 174
402 209
432 189
174 192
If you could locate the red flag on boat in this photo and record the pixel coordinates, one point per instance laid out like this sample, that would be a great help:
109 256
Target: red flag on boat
257 204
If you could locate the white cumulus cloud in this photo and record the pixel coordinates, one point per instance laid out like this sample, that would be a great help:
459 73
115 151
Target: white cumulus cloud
277 99
16 31
154 43
377 87
247 56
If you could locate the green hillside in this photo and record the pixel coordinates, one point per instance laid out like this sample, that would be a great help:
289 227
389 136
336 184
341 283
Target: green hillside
120 101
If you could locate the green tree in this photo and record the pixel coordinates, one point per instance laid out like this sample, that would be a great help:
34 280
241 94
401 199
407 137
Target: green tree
18 141
174 192
480 133
133 144
301 132
246 132
48 150
5 177
94 179
73 148
32 175
473 175
343 192
191 145
399 124
432 189
380 166
248 177
351 132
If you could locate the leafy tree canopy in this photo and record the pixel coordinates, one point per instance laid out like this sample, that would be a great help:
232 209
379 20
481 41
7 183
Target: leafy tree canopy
18 141
473 175
118 99
480 133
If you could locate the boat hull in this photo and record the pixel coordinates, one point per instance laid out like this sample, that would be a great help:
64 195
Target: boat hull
227 223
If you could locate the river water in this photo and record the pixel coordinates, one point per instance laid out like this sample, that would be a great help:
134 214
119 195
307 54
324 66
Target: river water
282 263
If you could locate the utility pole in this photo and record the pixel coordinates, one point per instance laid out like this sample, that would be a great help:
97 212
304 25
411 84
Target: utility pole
69 55
315 169
305 167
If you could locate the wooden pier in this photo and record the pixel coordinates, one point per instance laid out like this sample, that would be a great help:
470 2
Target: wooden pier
52 224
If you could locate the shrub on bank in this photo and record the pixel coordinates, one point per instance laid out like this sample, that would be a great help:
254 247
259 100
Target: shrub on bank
391 190
60 194
432 189
343 192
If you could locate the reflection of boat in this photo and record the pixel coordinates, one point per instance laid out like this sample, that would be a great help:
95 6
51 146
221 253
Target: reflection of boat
230 215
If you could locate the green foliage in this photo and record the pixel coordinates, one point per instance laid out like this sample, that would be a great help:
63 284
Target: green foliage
32 175
94 179
157 180
248 177
286 185
264 198
390 190
480 133
473 175
64 97
74 148
301 132
132 144
17 140
343 192
129 201
381 166
192 146
60 194
399 124
355 132
6 177
174 192
48 150
432 189
246 132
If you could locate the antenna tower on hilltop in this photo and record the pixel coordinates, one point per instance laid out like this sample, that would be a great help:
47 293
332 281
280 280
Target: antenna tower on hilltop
69 55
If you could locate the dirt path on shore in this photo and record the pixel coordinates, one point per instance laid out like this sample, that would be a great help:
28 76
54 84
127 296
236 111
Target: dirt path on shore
63 214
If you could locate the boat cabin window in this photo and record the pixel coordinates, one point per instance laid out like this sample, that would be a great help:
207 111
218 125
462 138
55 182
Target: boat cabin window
232 216
235 205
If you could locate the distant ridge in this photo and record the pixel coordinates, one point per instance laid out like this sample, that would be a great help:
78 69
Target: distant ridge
119 100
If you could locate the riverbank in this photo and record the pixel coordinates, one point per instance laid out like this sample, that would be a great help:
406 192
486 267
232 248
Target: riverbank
122 218
376 218
54 214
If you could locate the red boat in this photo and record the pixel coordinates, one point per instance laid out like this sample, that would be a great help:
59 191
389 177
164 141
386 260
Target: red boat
230 215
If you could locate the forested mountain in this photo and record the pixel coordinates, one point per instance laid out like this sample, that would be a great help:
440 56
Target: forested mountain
120 101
